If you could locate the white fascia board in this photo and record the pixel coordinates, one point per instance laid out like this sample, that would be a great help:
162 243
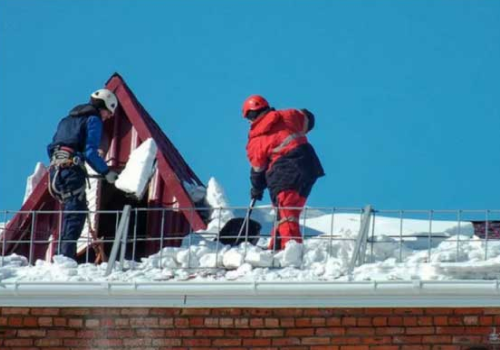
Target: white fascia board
252 294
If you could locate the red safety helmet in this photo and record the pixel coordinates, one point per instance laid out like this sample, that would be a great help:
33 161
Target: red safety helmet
254 103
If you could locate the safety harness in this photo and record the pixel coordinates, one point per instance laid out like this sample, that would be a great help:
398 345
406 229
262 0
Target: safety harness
65 157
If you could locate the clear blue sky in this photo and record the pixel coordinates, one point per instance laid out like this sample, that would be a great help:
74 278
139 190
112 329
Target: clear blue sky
406 93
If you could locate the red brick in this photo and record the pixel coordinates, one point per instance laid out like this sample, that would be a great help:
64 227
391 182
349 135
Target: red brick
300 332
425 321
45 322
440 320
45 311
108 342
167 342
395 321
226 312
315 340
137 342
376 340
407 339
30 322
60 321
389 330
486 320
195 312
294 312
463 339
378 311
211 322
348 321
61 334
438 311
226 322
326 347
365 322
256 322
150 333
379 321
179 333
226 342
334 331
285 341
15 311
450 330
415 347
105 311
209 333
354 347
241 323
18 342
258 312
48 342
269 333
469 311
420 330
136 311
360 331
195 342
242 333
31 333
471 320
75 312
91 323
436 339
334 321
408 311
15 321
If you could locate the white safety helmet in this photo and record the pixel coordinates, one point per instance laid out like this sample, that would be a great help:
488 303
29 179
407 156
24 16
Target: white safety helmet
109 98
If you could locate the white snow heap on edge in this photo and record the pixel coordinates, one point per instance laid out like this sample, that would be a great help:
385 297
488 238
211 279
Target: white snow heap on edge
135 177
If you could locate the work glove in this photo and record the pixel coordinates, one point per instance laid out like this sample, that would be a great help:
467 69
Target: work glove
256 194
111 176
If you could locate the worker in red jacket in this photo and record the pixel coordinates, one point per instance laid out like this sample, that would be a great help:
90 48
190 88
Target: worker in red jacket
282 160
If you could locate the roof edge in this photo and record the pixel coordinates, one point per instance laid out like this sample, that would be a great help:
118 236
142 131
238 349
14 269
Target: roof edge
401 294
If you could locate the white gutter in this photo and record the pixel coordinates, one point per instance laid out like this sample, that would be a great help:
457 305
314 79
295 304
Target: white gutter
252 294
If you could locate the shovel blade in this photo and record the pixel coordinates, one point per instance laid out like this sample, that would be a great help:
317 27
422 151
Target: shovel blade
229 233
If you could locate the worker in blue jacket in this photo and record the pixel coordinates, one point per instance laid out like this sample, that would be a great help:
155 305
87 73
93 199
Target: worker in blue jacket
75 143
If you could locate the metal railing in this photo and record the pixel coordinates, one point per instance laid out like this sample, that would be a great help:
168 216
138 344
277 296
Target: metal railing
360 228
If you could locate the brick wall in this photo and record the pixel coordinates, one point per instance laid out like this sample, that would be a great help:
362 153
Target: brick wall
239 329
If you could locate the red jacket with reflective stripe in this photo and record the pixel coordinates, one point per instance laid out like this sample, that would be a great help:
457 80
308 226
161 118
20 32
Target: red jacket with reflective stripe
275 134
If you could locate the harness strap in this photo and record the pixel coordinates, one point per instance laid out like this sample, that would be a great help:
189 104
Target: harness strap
287 141
287 219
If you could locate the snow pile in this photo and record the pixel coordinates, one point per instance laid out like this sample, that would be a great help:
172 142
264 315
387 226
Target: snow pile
320 258
34 179
139 169
217 200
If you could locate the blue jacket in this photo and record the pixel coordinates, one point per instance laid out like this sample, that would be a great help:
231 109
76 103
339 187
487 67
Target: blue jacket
81 130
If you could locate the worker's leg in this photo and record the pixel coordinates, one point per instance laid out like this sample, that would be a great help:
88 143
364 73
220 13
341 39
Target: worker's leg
290 205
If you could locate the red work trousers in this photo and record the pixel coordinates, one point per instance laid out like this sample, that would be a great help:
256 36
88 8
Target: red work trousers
290 205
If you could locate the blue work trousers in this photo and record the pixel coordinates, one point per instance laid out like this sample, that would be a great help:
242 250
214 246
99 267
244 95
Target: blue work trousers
69 180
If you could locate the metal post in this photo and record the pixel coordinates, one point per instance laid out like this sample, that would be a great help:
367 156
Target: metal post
429 239
123 225
135 238
124 237
486 236
358 254
3 237
162 228
459 219
401 236
217 238
372 258
32 236
330 252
